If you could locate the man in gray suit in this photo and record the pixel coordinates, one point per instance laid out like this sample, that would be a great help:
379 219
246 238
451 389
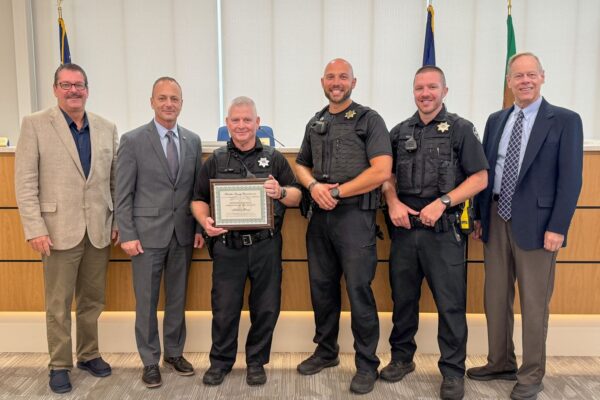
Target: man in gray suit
64 180
156 167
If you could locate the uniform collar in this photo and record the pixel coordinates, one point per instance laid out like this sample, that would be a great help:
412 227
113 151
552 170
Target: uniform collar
416 119
258 146
345 110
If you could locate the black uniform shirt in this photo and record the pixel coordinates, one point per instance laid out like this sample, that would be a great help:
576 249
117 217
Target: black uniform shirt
465 142
377 140
281 171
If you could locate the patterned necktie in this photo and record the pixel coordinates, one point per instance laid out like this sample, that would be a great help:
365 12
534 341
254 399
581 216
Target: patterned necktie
510 173
172 157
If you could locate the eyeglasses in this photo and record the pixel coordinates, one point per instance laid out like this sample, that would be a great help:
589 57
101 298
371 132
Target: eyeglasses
69 85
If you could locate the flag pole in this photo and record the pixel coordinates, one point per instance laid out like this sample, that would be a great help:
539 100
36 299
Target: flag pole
511 49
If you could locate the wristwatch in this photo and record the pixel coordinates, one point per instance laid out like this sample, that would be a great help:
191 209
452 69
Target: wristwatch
311 185
283 193
445 199
335 193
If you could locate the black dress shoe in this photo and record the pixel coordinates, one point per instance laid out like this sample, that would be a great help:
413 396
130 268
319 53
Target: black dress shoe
485 373
526 392
180 365
214 376
315 364
59 381
453 388
97 367
255 375
396 370
363 382
151 376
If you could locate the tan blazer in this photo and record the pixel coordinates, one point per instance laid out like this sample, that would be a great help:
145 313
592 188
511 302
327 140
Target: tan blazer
53 195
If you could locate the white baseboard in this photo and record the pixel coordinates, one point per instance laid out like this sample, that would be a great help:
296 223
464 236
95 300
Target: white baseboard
568 335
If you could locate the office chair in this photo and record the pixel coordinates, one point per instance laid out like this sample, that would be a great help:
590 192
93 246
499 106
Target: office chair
264 133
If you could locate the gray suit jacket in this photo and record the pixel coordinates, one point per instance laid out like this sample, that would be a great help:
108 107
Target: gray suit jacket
53 195
149 207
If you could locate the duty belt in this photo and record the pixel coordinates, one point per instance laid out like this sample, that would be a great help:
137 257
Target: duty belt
443 224
235 240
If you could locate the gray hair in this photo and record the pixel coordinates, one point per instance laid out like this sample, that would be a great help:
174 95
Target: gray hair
242 101
523 54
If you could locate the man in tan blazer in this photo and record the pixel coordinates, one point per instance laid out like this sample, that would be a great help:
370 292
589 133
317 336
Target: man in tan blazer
64 178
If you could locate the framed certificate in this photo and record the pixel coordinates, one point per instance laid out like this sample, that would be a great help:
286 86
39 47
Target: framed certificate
241 204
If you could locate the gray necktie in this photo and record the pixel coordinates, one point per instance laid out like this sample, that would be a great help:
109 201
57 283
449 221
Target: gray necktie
510 173
172 157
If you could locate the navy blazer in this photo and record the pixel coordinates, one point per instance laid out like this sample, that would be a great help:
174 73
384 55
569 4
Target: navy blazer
549 179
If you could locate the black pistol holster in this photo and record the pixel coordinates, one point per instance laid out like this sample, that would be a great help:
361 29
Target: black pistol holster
306 204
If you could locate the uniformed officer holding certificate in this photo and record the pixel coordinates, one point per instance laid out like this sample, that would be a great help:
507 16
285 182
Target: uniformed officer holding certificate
241 254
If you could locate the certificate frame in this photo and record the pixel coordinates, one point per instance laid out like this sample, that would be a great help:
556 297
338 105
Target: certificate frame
241 204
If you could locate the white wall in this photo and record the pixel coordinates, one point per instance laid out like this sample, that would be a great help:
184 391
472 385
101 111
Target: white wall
275 51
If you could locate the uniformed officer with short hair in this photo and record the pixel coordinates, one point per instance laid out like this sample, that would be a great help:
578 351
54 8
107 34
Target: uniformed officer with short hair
438 164
344 159
238 255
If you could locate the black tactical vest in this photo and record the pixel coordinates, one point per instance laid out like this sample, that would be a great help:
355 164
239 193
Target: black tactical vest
230 165
339 154
433 168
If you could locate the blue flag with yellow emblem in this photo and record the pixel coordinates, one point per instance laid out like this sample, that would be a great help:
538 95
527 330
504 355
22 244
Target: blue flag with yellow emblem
429 49
65 53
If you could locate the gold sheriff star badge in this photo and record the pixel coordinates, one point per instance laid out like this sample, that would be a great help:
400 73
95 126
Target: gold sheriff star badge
443 127
350 114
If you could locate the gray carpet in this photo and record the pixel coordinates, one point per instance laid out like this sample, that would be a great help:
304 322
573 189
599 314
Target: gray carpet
24 376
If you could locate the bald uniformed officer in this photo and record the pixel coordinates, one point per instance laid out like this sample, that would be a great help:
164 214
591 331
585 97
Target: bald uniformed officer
344 159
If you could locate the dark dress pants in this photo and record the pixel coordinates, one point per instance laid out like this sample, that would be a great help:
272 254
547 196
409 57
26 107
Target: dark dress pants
439 258
261 264
149 267
342 241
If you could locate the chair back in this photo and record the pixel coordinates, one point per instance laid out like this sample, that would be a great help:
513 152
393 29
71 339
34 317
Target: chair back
264 133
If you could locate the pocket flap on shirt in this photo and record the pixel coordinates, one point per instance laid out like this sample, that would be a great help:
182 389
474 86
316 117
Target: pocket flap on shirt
48 207
545 201
145 212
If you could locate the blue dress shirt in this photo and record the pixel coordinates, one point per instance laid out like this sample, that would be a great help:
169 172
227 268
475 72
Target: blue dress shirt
529 112
162 133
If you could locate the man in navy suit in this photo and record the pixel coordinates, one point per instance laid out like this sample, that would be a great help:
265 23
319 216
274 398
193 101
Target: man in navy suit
535 152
